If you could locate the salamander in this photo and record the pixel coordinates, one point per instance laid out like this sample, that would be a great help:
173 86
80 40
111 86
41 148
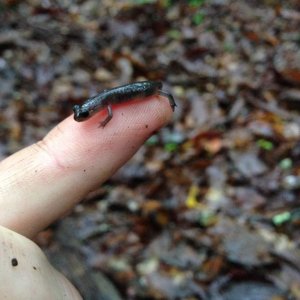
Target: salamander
117 95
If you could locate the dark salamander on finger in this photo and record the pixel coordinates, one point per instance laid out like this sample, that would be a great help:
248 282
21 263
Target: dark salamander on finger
118 95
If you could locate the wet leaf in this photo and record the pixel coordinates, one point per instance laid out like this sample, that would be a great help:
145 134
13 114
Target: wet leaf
245 247
248 164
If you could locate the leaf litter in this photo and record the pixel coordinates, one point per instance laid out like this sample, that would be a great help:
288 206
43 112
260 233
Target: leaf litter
209 207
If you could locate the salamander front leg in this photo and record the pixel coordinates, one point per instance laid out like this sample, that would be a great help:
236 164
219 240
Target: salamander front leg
170 97
109 116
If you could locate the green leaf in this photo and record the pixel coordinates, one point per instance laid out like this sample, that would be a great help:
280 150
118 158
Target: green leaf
171 147
265 144
281 218
286 163
198 18
196 3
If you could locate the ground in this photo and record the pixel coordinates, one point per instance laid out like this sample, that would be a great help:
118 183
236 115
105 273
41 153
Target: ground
209 206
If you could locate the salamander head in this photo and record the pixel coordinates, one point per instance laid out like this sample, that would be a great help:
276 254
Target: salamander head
80 114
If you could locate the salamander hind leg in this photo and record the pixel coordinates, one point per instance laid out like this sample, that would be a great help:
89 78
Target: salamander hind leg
170 97
109 116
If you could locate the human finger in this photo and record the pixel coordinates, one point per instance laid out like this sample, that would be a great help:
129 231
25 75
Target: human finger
42 182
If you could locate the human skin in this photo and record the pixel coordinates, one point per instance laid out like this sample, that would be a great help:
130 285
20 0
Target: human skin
43 182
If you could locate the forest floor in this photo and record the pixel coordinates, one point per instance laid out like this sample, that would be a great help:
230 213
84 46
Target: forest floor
209 207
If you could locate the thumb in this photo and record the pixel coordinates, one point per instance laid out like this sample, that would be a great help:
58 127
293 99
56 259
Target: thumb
26 272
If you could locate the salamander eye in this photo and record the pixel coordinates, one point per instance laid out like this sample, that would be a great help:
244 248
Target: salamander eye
80 115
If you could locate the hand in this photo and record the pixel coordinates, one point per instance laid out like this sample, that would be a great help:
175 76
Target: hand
43 182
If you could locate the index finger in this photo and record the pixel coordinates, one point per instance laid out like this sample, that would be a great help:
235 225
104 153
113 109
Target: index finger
42 182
